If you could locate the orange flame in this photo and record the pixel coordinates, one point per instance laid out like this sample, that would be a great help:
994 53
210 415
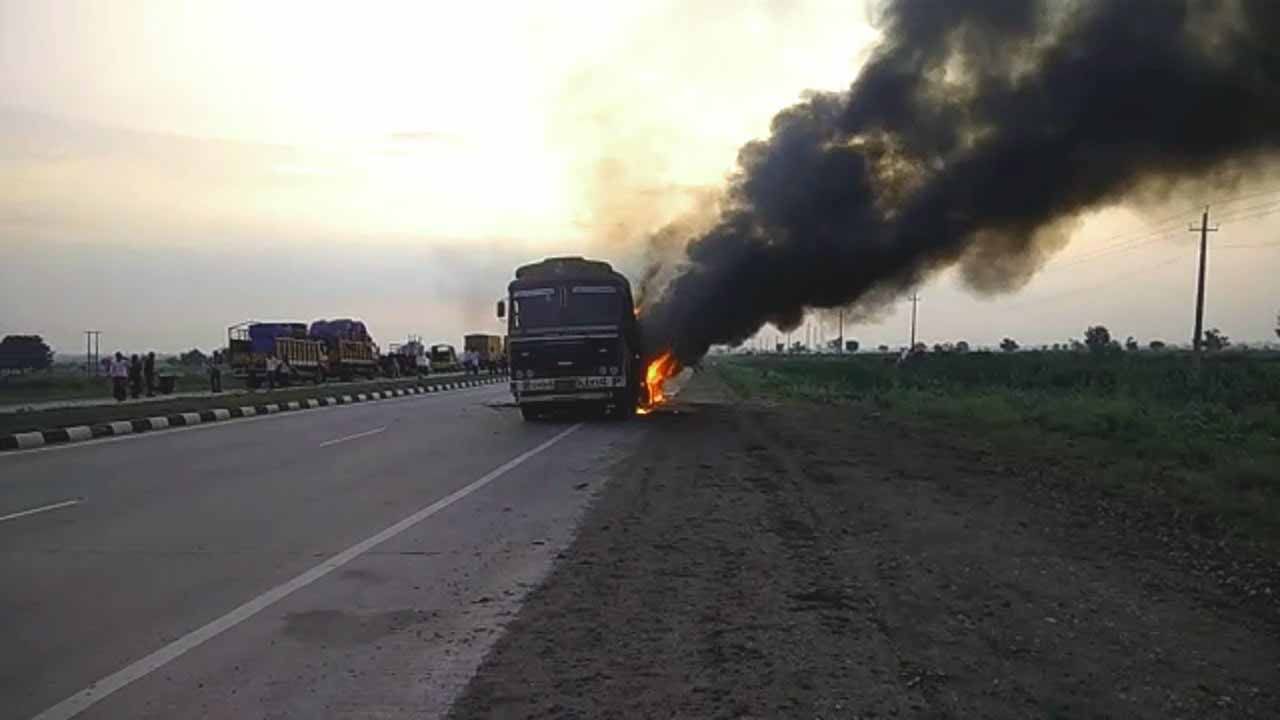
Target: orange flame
661 368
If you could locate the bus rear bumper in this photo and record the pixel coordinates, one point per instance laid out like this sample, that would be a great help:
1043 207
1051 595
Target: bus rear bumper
527 399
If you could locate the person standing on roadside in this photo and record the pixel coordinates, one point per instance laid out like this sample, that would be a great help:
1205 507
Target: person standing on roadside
215 372
119 370
149 372
273 366
135 376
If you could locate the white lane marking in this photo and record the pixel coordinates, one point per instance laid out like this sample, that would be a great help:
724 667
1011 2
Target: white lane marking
42 508
99 690
125 429
358 435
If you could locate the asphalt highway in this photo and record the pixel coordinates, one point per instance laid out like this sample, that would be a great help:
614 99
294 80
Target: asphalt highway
355 561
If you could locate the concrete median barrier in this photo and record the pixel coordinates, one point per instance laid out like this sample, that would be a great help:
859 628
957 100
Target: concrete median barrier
80 433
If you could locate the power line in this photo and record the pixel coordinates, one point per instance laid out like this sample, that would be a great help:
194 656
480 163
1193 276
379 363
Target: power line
1261 209
1251 215
1151 233
1157 230
1246 196
1145 270
1117 249
1244 246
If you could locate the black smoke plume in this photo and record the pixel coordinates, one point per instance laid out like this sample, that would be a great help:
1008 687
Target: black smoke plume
974 130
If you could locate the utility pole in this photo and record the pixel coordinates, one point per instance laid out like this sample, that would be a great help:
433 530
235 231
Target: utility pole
1197 342
91 352
915 300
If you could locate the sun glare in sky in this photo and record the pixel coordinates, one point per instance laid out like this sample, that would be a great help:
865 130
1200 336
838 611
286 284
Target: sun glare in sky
320 139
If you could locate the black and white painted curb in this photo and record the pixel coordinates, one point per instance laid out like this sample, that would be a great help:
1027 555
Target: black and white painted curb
78 433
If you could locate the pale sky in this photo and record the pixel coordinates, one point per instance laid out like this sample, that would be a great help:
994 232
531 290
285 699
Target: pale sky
170 168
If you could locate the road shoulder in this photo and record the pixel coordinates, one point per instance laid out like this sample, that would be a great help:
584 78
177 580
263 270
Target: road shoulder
780 559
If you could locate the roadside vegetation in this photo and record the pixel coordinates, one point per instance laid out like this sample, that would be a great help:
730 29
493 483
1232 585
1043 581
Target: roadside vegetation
70 383
1207 442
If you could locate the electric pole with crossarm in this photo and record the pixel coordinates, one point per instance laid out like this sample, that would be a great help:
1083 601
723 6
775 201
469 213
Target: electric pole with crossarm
1197 340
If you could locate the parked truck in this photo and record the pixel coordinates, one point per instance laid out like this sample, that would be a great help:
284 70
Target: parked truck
349 349
487 347
410 357
573 339
250 344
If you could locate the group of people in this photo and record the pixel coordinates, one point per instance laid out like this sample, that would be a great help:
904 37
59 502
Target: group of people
131 376
136 374
473 362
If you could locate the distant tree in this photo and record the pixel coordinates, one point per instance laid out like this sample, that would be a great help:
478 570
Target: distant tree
25 352
1056 347
1277 324
883 348
1098 338
939 348
1009 345
962 346
1130 344
1156 345
1077 346
919 349
1214 340
193 357
851 346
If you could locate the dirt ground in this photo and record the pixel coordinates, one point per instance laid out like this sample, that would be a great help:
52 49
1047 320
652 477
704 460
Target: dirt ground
761 560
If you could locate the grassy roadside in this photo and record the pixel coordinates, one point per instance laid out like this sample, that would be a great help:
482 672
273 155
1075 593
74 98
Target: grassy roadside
45 387
1144 425
64 417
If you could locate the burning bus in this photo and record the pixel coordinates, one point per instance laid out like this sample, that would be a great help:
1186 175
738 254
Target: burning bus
573 338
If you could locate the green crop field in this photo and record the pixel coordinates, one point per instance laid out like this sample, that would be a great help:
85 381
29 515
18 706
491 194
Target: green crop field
1209 442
